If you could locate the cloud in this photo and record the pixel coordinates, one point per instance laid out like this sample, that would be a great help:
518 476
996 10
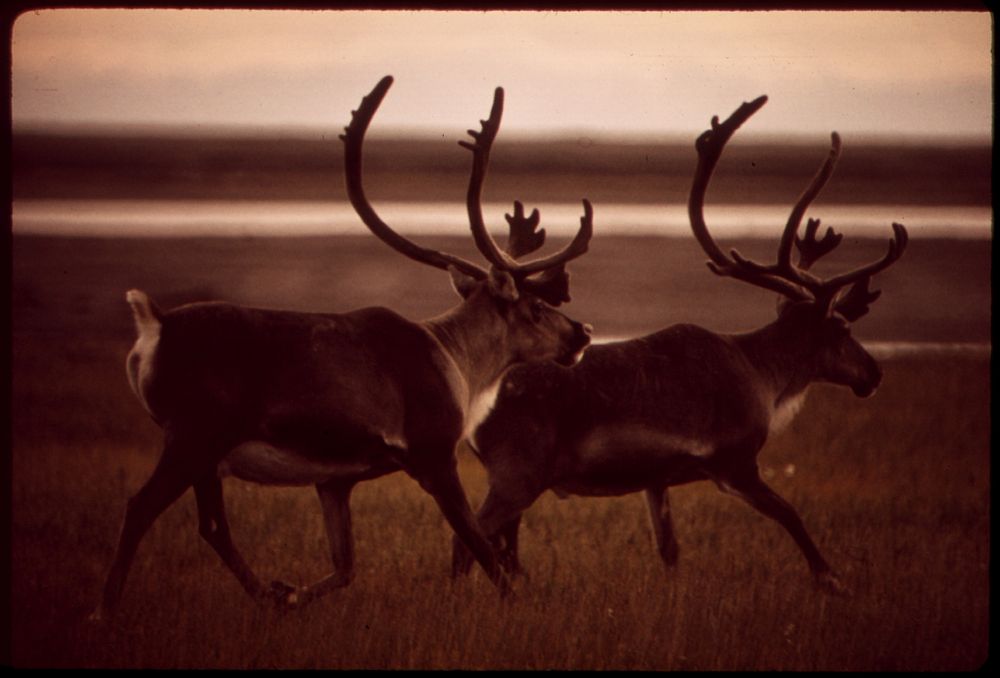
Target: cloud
609 71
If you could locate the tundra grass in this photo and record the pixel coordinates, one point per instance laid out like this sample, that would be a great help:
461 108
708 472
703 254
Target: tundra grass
894 489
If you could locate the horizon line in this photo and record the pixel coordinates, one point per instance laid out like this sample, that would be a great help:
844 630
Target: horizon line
421 133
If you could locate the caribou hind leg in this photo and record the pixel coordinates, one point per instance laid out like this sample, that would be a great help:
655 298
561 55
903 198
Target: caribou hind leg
658 503
169 480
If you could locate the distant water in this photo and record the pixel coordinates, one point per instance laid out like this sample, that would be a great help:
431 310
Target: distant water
889 349
894 349
184 218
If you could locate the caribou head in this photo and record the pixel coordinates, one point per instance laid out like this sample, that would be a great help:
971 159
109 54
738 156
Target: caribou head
521 295
819 310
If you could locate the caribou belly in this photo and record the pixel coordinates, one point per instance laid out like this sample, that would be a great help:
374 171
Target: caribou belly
616 460
260 462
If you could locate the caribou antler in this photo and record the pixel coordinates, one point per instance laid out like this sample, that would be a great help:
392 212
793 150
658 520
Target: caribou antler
353 138
552 284
855 303
791 280
480 147
709 146
811 249
525 239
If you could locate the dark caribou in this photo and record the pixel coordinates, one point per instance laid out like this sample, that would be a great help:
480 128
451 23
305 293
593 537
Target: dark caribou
684 403
290 398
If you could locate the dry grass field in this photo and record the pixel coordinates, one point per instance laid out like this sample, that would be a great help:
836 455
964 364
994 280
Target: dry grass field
894 489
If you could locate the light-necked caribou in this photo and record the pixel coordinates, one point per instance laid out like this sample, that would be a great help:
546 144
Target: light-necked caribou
291 398
684 403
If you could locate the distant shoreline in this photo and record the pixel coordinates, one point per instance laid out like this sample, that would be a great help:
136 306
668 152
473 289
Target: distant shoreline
624 286
47 166
884 349
263 219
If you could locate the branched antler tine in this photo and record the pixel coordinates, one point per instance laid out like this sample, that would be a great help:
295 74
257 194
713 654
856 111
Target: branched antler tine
353 139
480 160
361 118
897 245
747 265
793 281
709 146
576 248
523 238
811 249
855 303
766 281
752 270
484 241
798 211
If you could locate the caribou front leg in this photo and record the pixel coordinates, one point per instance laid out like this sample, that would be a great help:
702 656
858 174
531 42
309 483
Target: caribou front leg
504 543
749 486
500 518
441 481
508 547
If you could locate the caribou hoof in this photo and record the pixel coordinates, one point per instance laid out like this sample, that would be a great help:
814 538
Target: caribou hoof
515 575
284 595
829 583
504 584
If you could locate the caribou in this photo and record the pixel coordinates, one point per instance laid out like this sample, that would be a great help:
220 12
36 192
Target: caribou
331 399
684 404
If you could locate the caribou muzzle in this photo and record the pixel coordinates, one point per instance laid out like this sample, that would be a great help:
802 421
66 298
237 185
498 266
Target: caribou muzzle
867 385
576 344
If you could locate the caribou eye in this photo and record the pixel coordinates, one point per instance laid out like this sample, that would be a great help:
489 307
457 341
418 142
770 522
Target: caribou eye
537 308
839 329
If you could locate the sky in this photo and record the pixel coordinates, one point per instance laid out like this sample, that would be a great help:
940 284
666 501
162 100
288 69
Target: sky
616 73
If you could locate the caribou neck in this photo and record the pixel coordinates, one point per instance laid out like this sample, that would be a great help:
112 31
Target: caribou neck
782 357
469 333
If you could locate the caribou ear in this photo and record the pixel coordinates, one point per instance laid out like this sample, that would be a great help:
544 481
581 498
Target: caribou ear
551 286
502 285
463 284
